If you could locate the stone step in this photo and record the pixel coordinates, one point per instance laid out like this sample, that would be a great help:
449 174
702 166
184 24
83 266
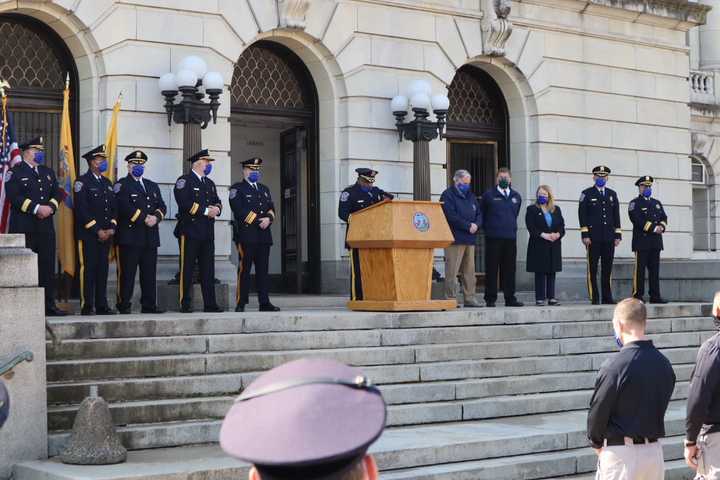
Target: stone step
398 448
674 470
175 324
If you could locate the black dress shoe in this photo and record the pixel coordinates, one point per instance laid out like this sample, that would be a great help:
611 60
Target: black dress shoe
122 310
151 310
87 311
490 304
659 301
609 301
514 303
54 312
186 309
595 302
240 307
105 311
268 307
213 308
553 303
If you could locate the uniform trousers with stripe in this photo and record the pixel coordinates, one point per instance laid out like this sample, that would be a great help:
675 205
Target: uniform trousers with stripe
650 260
356 290
94 264
43 244
202 252
602 253
250 254
129 259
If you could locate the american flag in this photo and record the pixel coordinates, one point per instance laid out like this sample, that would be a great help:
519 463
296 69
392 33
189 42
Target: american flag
9 157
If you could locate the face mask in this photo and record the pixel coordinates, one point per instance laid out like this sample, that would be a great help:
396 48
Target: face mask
647 192
463 187
504 183
365 188
600 182
254 176
39 158
102 168
618 341
208 169
542 199
138 170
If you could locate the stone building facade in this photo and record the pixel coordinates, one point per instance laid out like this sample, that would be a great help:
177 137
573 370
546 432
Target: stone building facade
549 88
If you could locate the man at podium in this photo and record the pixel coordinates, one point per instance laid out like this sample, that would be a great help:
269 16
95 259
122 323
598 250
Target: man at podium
354 198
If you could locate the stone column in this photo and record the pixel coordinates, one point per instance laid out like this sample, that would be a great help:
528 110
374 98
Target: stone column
22 329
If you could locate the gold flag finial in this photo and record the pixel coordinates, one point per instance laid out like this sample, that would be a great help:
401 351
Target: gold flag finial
4 85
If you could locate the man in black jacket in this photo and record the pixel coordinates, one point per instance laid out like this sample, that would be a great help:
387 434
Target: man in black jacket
702 437
140 210
34 198
627 411
254 212
95 225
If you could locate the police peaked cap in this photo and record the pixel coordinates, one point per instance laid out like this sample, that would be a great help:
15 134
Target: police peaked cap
98 151
201 155
646 180
367 174
253 163
137 157
36 143
601 171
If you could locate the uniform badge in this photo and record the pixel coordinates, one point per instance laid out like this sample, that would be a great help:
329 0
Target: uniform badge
110 188
49 178
232 193
266 194
657 205
180 184
513 200
612 199
78 186
344 196
582 197
631 207
8 175
117 187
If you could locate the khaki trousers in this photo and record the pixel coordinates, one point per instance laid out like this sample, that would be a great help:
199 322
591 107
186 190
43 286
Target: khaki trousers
709 458
460 258
631 462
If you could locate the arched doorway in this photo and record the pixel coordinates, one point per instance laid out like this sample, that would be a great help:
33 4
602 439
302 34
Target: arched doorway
274 116
35 61
477 133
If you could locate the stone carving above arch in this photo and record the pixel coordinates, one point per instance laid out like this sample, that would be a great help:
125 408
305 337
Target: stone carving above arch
292 13
496 27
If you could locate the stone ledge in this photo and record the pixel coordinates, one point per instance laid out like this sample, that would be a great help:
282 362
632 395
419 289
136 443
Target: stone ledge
681 10
19 267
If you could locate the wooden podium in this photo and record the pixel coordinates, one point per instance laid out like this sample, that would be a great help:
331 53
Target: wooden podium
396 241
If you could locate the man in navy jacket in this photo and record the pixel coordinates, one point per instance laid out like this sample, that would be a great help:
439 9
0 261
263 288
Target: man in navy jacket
462 212
500 208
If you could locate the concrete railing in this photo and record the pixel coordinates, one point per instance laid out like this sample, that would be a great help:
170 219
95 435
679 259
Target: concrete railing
702 87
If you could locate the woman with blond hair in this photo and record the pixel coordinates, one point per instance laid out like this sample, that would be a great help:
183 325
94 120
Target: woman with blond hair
546 226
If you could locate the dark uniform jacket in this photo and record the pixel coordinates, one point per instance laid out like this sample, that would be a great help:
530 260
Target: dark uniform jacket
632 392
95 206
193 196
500 213
134 204
460 211
703 404
25 191
249 206
599 215
543 255
353 199
645 215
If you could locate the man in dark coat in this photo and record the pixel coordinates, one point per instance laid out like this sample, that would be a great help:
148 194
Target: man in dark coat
649 223
462 212
140 210
254 212
354 198
95 225
34 198
198 206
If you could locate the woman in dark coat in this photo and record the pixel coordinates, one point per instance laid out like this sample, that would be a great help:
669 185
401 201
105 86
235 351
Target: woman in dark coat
546 226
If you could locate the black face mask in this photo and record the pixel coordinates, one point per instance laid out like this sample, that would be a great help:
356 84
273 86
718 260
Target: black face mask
716 321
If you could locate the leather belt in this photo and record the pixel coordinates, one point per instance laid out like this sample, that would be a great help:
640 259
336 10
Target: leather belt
614 442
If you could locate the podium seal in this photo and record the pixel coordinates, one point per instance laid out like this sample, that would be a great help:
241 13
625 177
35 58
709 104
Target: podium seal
421 222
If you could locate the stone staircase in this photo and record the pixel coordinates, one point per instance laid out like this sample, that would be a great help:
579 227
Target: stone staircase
472 394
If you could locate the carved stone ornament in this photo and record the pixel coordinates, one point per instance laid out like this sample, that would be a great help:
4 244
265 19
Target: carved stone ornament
496 28
292 13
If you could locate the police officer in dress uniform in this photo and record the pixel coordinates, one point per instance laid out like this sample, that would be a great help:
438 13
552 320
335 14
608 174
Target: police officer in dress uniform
140 209
95 226
354 198
627 410
649 223
599 215
254 212
702 437
198 205
308 419
35 197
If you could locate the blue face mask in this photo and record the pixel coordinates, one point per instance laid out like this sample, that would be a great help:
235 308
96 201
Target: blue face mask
600 182
254 176
39 158
463 187
208 169
647 192
618 341
542 199
365 188
138 170
102 168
